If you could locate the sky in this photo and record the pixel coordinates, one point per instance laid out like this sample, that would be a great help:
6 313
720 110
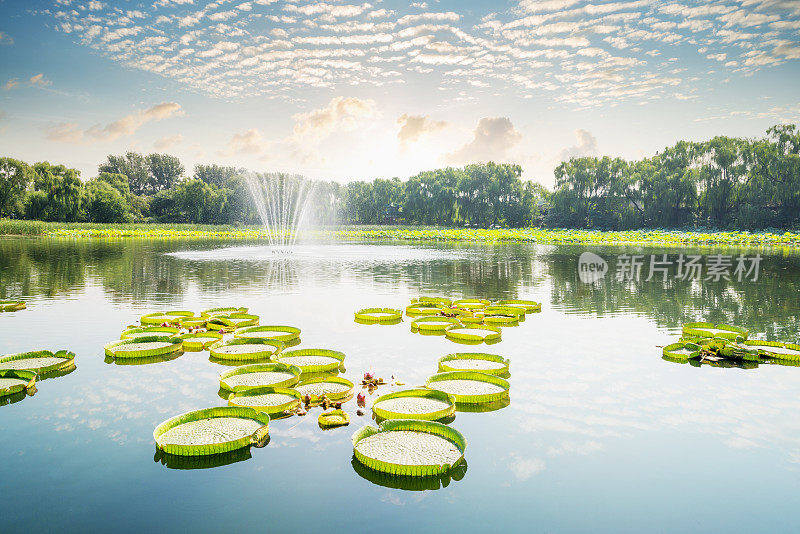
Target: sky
347 90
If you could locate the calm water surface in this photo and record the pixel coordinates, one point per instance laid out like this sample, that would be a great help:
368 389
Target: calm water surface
601 434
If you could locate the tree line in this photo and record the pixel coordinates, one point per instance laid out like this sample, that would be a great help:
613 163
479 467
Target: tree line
725 182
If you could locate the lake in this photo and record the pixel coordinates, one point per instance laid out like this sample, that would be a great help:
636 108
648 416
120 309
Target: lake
601 434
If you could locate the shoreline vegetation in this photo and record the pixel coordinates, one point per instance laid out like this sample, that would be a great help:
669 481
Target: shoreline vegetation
678 237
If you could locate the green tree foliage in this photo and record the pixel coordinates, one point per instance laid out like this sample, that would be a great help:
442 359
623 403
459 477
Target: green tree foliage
216 175
105 204
15 177
724 182
57 194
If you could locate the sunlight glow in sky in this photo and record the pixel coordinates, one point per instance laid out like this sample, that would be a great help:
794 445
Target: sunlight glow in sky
356 90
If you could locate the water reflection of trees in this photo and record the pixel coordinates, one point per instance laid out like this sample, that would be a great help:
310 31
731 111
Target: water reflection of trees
767 305
142 271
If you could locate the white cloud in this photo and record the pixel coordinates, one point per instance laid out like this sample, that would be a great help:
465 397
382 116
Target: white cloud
6 39
166 143
39 80
249 142
586 146
126 126
414 127
492 139
340 114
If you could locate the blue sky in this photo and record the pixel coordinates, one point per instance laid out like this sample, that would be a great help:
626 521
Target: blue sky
356 90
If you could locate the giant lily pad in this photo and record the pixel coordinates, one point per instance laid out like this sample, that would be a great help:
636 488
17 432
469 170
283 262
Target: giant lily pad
234 320
379 315
267 399
333 387
409 447
211 431
273 374
474 361
470 387
246 349
11 305
529 305
38 361
161 331
198 341
313 360
433 323
222 311
724 331
143 347
473 333
422 309
775 349
471 304
680 351
164 317
501 320
280 332
15 381
426 404
333 419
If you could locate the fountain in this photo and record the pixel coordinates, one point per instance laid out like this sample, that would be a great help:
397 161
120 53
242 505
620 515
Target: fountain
283 203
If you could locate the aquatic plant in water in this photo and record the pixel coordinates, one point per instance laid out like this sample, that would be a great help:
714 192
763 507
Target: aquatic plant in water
11 305
470 387
313 360
212 431
274 374
38 361
378 315
419 403
474 361
409 447
268 399
15 381
246 349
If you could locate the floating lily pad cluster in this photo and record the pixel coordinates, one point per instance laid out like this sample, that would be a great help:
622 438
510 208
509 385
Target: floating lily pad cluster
724 345
467 321
11 305
265 381
413 438
19 373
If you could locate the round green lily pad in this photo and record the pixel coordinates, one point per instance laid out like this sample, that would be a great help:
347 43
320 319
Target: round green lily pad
16 380
280 332
529 305
474 361
38 361
333 387
724 331
409 447
470 387
143 347
333 419
471 304
273 374
434 323
161 331
425 404
11 305
211 431
165 317
267 399
422 309
379 315
475 333
501 320
197 341
193 322
222 311
313 360
775 349
680 351
439 301
246 349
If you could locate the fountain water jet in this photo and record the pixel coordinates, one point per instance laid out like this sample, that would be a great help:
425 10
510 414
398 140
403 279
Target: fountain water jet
283 203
